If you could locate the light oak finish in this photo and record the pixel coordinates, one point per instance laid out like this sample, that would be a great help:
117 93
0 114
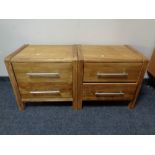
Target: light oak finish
110 73
45 53
25 100
80 77
63 72
44 73
110 53
45 90
75 77
132 104
12 77
108 91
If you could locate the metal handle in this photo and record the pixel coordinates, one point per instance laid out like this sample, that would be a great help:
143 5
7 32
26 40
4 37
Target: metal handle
54 92
112 74
54 75
108 94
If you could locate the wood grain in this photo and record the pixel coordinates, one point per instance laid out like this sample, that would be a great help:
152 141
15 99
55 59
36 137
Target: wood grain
77 66
132 104
143 57
26 88
64 70
75 77
89 90
45 53
12 77
110 53
111 59
25 100
60 59
80 76
91 70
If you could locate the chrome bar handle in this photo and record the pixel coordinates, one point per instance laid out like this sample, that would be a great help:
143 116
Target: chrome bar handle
54 92
109 94
99 74
54 75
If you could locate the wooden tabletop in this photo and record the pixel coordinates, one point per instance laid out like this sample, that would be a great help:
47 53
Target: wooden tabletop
45 53
110 53
66 53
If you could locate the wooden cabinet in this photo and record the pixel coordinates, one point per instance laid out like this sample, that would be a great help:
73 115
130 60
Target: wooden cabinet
109 73
43 73
108 91
75 73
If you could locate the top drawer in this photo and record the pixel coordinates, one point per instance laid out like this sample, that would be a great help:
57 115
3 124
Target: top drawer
111 72
43 72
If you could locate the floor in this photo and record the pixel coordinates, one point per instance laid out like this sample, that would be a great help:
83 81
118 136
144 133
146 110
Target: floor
97 118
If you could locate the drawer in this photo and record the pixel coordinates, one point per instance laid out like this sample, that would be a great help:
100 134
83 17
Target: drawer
108 91
111 72
43 72
45 90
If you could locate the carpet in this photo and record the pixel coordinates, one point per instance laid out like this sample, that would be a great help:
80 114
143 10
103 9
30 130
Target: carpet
96 118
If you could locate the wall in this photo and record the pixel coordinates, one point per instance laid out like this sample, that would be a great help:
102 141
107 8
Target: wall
14 33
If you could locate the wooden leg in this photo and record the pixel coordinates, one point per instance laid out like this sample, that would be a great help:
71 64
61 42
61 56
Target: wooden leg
79 104
13 81
21 106
14 84
80 77
74 105
75 78
131 105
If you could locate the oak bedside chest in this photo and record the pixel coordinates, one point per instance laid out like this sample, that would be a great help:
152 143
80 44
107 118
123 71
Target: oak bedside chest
43 73
109 73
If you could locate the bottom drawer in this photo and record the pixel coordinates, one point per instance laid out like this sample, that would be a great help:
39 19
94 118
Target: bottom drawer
45 90
108 91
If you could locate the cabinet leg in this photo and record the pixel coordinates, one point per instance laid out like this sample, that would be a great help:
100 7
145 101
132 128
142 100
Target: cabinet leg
75 105
79 105
21 106
131 105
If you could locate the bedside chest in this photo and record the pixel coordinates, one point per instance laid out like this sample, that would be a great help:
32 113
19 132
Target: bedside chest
109 73
43 73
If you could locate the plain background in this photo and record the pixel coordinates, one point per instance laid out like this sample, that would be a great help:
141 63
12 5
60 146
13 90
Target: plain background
14 33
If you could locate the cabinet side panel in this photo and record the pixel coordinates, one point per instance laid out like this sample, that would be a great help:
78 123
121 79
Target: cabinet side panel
80 77
14 85
133 102
75 78
13 79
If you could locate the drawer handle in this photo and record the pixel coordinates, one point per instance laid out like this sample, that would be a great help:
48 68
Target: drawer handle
54 92
54 75
108 94
124 74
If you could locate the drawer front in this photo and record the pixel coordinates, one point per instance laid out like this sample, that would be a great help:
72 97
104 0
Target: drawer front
108 91
45 90
43 72
111 72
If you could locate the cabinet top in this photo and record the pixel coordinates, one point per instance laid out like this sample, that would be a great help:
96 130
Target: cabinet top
39 53
110 53
68 53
